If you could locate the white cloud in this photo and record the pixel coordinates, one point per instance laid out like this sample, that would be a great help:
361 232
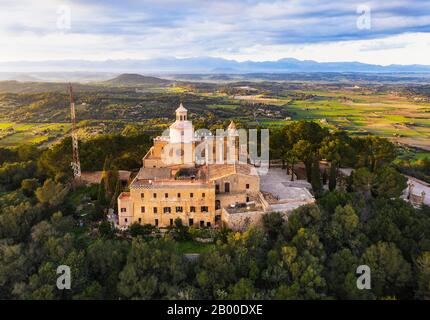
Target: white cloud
411 48
249 30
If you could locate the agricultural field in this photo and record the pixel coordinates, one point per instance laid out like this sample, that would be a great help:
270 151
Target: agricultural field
387 115
14 134
398 112
223 106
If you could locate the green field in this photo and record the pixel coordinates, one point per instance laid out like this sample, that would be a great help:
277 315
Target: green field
6 125
360 111
223 106
13 134
272 122
412 156
194 247
393 118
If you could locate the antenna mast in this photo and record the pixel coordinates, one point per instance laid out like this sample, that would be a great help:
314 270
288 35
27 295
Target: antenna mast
76 164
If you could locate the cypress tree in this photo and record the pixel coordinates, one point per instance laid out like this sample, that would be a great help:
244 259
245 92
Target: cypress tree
308 169
112 179
324 177
101 195
349 182
316 177
105 174
332 177
113 202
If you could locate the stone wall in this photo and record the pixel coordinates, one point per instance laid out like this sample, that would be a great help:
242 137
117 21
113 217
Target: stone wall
242 220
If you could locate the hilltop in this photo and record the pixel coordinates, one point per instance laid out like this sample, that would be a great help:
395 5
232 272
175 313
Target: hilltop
134 79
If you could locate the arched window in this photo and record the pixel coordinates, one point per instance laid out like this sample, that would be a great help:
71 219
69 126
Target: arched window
227 187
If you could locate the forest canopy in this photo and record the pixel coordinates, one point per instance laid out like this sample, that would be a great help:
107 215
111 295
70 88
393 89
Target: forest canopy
314 254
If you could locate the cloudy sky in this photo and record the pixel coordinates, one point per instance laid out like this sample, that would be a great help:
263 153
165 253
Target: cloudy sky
380 31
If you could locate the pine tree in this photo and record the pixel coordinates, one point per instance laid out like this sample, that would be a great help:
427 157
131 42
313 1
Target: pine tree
291 158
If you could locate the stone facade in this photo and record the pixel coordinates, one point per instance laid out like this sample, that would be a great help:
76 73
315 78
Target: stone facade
196 193
160 204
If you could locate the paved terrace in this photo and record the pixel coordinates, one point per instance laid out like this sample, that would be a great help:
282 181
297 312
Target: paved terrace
285 195
419 187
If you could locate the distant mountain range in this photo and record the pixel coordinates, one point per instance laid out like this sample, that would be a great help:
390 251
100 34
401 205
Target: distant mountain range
206 65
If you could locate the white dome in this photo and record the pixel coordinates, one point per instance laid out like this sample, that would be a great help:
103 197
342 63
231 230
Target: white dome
181 113
181 130
181 108
180 125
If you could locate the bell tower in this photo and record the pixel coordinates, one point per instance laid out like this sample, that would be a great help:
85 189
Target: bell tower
181 113
181 131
